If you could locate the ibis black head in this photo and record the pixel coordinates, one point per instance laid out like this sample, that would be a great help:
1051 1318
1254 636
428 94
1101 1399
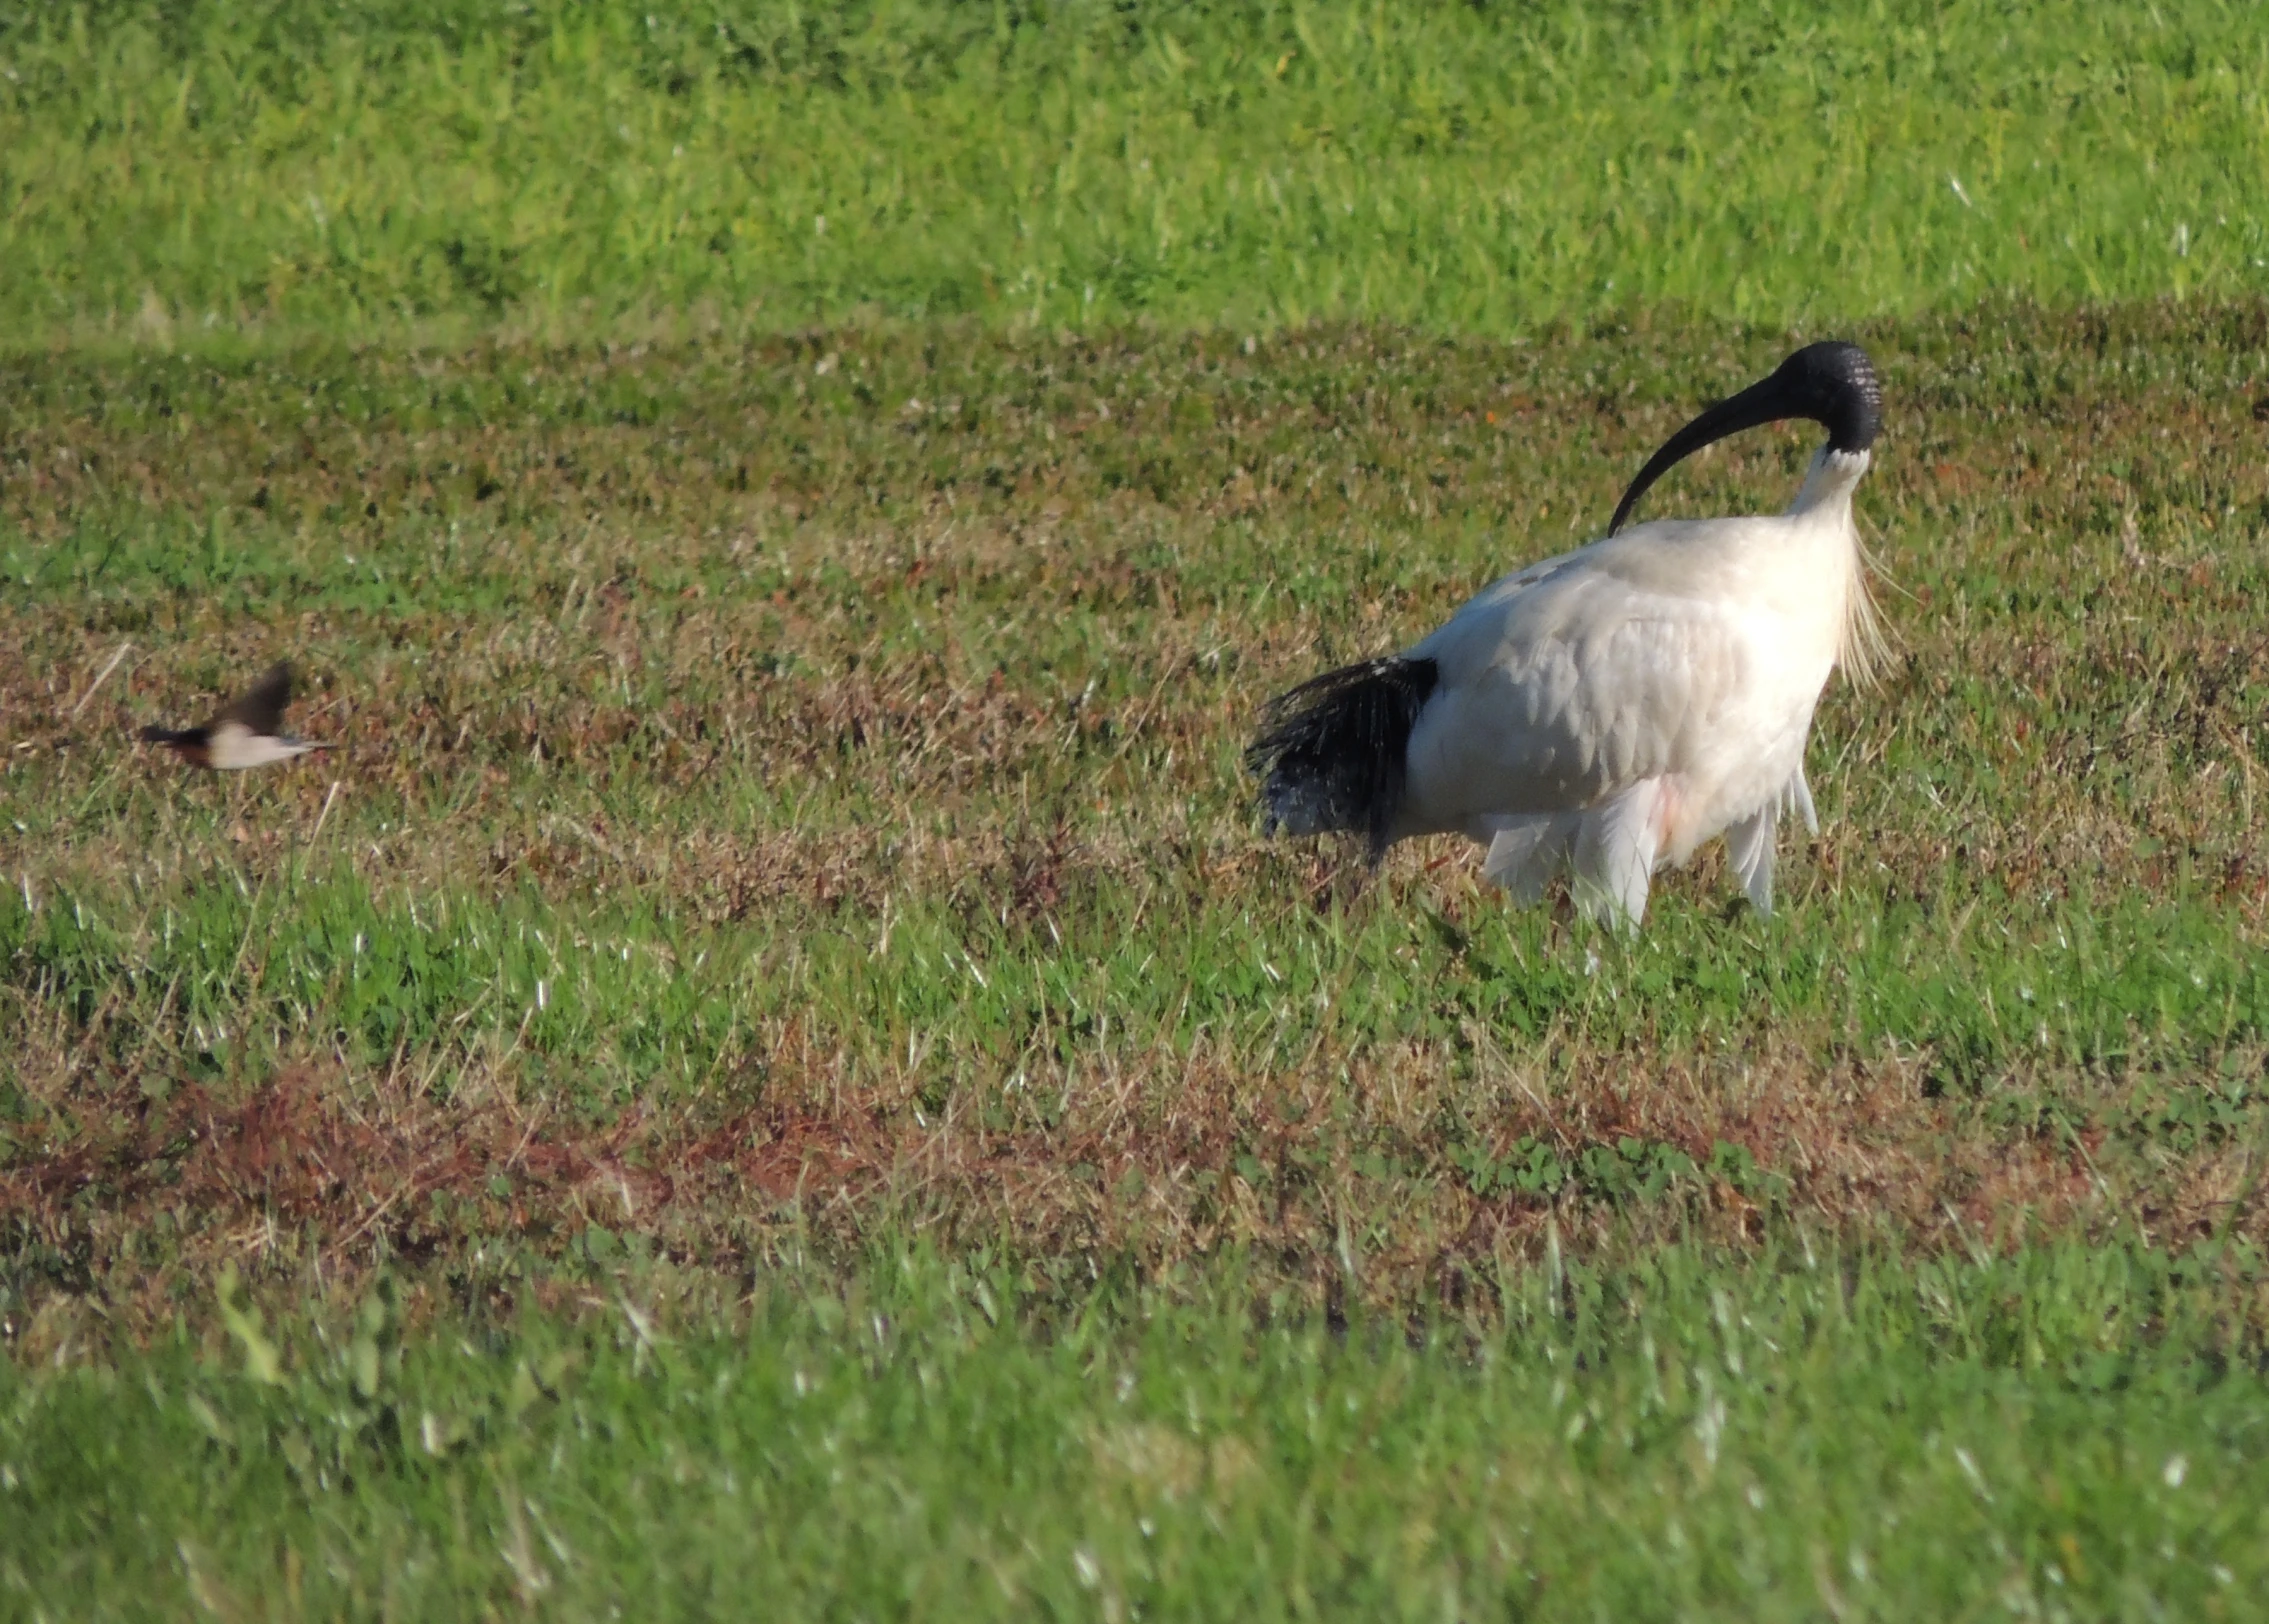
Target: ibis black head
1831 384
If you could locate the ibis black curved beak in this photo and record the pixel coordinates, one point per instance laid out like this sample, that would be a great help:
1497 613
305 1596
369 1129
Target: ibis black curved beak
1831 384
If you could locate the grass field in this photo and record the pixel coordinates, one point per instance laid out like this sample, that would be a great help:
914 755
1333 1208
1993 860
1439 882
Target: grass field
581 168
1792 1436
773 1060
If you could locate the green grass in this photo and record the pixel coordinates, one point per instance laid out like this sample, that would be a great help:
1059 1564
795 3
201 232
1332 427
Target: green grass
614 1003
1475 169
818 759
2073 1433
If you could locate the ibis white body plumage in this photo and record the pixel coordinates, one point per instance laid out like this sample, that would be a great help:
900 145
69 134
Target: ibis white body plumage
1607 711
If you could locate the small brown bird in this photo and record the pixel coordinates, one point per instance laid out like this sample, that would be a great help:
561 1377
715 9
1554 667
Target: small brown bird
247 734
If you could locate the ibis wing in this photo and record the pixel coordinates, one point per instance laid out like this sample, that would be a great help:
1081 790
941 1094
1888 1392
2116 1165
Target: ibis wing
1561 694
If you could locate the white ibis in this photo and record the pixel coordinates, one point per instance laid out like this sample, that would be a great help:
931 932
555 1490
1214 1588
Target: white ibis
1609 710
248 733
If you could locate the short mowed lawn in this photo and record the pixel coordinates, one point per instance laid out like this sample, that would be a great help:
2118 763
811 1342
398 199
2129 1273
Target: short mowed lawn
771 1071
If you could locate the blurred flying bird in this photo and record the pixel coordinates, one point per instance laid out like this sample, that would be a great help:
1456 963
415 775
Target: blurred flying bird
248 733
1607 711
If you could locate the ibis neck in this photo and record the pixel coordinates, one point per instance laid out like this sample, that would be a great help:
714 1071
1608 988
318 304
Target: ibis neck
1825 501
1828 484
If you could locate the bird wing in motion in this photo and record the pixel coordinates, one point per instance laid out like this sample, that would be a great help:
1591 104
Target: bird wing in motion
261 710
250 732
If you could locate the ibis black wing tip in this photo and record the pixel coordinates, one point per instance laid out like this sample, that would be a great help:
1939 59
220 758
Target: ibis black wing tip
262 708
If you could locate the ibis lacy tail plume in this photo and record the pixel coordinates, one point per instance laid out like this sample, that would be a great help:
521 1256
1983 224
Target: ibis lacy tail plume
1332 752
1605 712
